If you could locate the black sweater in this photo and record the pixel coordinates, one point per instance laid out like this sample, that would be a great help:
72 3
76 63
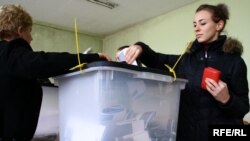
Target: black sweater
20 93
198 108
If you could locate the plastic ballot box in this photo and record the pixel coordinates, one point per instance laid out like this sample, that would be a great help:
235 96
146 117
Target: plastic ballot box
110 101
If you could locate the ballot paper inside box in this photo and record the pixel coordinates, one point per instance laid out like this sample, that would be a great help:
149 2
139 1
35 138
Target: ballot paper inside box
109 101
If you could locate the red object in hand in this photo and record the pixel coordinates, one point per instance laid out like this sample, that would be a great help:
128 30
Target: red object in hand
211 73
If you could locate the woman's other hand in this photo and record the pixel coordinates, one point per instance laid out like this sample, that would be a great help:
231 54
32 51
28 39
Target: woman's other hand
218 90
104 56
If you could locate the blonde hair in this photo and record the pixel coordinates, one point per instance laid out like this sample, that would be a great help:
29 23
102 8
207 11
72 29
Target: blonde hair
11 18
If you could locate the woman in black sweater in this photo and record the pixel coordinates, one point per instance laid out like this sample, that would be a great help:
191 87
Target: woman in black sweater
20 67
223 102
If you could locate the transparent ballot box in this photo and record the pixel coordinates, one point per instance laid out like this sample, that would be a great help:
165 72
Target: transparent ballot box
109 101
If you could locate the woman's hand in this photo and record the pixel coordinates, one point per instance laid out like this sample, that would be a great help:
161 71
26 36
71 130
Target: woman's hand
104 56
133 53
218 90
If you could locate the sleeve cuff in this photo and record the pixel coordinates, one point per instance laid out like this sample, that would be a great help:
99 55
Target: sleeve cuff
228 104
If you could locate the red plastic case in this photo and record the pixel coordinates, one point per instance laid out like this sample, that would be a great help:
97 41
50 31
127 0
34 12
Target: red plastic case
212 73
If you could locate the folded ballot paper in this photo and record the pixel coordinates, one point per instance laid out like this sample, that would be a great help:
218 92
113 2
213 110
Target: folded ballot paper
121 56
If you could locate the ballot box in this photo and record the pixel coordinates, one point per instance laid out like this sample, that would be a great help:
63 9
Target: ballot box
110 101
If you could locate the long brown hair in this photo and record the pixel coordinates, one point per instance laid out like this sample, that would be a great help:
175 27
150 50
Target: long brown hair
219 12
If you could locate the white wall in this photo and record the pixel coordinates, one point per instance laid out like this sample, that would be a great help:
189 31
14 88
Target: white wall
170 32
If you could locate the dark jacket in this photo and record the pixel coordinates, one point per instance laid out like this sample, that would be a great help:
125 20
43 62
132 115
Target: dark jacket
198 109
20 93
